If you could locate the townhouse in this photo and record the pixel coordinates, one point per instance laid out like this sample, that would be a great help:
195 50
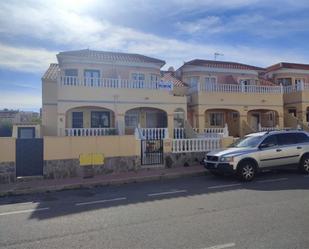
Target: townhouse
94 93
232 95
295 80
91 93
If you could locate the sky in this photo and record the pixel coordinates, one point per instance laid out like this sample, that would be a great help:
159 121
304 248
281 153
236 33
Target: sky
32 32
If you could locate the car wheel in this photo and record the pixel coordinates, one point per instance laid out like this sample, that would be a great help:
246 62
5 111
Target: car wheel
304 165
246 171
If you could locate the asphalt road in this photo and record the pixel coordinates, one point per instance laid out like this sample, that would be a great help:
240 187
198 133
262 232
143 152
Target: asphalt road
194 212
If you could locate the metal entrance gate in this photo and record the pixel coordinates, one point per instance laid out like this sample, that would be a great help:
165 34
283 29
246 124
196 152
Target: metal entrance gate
29 157
151 152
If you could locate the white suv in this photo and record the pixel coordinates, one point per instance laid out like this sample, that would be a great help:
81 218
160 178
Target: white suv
262 150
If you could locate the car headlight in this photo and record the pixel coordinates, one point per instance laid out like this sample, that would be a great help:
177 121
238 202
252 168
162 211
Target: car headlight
227 159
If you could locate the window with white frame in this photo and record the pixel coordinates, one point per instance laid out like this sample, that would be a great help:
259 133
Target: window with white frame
131 119
70 76
210 80
193 81
138 76
298 83
154 77
216 118
285 81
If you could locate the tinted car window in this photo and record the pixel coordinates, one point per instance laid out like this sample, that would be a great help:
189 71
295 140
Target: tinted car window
302 138
287 138
270 141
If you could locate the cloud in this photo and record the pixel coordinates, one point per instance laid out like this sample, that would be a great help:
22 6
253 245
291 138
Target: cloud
255 24
75 28
25 59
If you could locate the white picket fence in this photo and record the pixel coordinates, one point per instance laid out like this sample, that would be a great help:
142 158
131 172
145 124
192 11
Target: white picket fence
195 145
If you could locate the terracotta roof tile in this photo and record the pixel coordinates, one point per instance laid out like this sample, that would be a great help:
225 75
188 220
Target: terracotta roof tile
51 72
169 77
264 82
287 65
111 56
222 64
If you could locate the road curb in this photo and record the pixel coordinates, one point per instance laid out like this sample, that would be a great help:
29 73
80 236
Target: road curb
100 184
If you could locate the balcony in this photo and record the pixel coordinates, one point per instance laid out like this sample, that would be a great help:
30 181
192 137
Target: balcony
233 88
302 86
113 83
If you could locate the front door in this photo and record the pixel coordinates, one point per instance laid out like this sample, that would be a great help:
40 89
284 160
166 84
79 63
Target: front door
29 157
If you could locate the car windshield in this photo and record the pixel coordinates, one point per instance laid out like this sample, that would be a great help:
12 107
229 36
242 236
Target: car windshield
249 141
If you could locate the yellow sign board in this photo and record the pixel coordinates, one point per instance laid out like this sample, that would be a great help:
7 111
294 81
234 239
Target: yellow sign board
91 159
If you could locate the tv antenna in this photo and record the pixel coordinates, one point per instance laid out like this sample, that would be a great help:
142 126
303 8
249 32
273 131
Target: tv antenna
216 54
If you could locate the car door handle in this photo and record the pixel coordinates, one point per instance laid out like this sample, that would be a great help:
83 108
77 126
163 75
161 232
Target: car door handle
298 147
278 150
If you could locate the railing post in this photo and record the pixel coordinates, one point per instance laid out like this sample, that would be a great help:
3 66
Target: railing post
259 127
281 88
242 86
225 130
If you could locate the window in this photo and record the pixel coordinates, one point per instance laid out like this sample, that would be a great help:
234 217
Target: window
246 82
298 83
248 141
286 139
100 119
138 76
179 118
302 138
154 78
77 120
292 112
131 119
216 119
70 72
210 80
92 77
193 81
70 76
285 81
270 141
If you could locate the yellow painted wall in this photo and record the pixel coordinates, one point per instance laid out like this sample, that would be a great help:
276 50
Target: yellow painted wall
7 149
71 147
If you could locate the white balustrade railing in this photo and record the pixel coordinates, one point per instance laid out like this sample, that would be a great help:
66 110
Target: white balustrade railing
81 132
213 131
151 133
218 87
109 82
272 128
179 133
195 145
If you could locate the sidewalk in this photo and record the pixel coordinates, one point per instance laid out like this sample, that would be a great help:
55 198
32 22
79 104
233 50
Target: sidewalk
39 186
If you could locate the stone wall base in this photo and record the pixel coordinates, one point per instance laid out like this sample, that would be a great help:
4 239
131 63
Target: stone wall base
57 169
173 160
7 172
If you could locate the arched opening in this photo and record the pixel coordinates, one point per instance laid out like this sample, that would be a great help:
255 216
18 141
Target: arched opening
262 118
219 118
90 121
144 117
